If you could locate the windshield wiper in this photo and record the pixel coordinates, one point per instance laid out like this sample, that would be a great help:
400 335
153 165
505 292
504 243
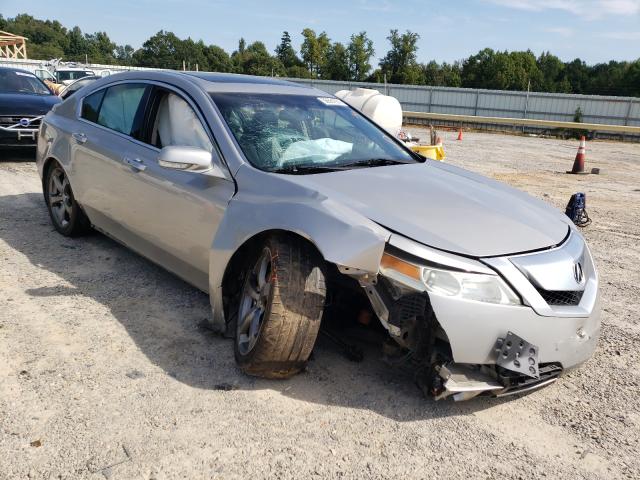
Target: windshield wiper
373 162
304 169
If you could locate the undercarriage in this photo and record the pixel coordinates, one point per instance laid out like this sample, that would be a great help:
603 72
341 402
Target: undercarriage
414 340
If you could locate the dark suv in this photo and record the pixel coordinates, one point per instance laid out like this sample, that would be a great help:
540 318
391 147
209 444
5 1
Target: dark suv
24 100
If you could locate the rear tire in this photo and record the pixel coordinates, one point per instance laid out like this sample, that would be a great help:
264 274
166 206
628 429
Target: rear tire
280 308
66 215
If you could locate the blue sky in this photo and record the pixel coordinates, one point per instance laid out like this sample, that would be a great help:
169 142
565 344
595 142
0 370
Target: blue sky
594 30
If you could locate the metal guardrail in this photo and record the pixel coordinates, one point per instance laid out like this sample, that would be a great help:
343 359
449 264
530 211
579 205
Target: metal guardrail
525 122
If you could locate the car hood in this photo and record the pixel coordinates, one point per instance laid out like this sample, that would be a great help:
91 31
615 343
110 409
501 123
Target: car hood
445 207
17 104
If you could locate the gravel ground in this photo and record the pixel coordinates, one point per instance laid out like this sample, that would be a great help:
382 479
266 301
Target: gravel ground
106 371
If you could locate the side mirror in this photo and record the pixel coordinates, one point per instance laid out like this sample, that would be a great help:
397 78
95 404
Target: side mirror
185 158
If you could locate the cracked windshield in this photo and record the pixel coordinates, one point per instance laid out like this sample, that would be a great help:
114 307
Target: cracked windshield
299 134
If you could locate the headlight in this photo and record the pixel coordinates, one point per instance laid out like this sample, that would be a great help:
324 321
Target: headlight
479 287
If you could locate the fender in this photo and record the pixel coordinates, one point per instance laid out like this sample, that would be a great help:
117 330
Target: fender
343 236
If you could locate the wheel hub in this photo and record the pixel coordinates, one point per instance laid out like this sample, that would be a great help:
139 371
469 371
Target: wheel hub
60 198
254 303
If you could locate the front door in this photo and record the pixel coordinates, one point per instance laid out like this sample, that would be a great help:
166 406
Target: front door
173 215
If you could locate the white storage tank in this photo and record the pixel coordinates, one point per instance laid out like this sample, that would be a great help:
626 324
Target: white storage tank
384 110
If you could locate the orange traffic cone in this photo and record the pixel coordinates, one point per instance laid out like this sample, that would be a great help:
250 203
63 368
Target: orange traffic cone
460 134
578 163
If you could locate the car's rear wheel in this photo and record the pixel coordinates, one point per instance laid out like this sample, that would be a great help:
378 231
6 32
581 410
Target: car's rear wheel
280 308
66 215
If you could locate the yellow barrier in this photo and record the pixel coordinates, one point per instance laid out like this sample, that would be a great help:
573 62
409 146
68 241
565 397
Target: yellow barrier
434 152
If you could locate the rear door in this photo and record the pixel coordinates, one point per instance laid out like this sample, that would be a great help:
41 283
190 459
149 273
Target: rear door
111 121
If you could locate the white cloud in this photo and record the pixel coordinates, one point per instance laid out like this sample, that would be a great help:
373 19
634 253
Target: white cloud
562 31
585 8
622 35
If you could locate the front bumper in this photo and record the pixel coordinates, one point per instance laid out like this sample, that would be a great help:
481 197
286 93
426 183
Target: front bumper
19 131
473 327
564 334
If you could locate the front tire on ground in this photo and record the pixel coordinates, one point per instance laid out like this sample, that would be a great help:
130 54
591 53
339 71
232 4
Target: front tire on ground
66 215
280 308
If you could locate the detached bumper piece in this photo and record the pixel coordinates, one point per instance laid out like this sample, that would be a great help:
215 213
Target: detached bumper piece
515 384
516 371
463 382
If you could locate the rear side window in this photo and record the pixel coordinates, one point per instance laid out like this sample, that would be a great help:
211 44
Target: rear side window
123 107
91 106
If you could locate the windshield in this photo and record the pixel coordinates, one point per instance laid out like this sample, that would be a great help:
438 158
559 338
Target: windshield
12 81
64 75
296 133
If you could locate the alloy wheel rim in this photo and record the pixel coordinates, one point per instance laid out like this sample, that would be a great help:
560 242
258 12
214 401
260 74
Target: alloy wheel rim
60 198
254 303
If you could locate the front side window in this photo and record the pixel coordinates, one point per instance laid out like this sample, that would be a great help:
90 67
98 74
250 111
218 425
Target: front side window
12 81
299 133
122 108
176 124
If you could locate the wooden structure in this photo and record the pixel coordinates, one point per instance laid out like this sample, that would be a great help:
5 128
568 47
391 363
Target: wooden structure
12 46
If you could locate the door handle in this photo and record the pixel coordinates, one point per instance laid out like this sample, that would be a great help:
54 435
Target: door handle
79 137
135 163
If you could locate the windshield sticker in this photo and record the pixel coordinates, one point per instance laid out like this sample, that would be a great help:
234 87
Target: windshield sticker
332 102
30 75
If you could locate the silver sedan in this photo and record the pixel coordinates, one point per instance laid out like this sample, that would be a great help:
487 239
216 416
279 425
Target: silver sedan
292 209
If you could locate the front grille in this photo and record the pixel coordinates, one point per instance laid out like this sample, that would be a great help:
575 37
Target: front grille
10 121
560 297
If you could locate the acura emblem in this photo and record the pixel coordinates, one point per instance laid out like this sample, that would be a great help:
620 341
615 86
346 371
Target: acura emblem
578 274
25 122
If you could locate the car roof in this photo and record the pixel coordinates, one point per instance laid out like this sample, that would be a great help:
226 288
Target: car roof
233 82
21 70
237 78
214 82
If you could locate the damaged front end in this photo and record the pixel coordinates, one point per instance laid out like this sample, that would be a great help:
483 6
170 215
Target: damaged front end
419 342
439 314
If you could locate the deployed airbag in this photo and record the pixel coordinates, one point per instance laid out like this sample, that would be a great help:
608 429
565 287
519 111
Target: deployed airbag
320 150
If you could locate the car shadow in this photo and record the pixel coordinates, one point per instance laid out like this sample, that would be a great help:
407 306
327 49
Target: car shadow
165 317
23 154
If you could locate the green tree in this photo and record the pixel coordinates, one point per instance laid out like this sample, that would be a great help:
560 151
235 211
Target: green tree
217 59
256 60
336 66
578 76
160 51
445 75
100 48
400 63
360 51
314 51
552 70
237 57
47 39
77 45
298 71
632 87
124 54
285 52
